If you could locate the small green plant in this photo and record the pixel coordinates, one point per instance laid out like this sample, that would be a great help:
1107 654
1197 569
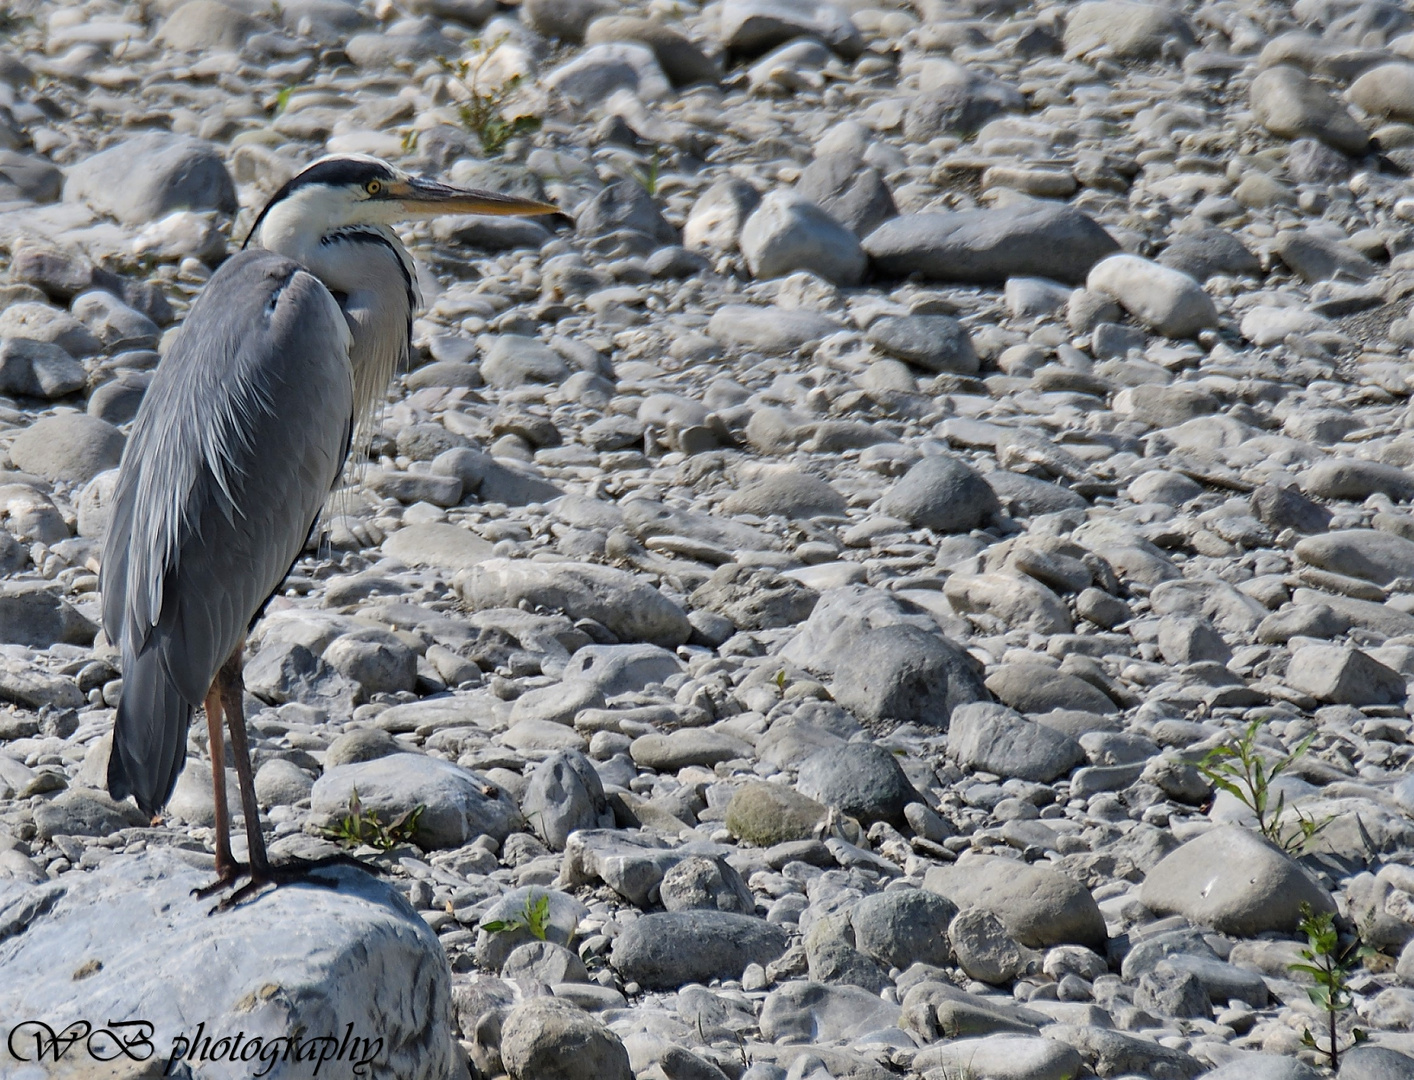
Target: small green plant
648 175
1330 963
781 680
360 826
534 916
282 98
482 113
1238 769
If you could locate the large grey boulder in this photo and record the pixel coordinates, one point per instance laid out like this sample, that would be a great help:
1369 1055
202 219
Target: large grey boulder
933 342
71 447
1289 104
1235 881
1165 300
751 27
852 193
146 177
942 493
1370 554
901 675
996 739
841 618
1127 31
788 233
1343 676
859 778
1028 1056
1039 906
352 970
814 1012
902 927
565 794
32 613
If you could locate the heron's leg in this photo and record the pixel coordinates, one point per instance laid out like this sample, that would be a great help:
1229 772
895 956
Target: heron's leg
225 862
232 690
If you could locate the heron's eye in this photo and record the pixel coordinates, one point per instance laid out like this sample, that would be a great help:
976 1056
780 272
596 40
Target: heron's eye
373 187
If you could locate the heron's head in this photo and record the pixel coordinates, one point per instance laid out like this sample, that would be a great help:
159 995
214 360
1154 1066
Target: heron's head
351 190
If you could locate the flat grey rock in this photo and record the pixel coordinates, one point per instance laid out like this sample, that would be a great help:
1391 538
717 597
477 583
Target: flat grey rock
996 739
666 950
818 1013
990 245
628 607
901 674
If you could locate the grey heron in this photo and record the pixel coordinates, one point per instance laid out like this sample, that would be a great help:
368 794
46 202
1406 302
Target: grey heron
238 443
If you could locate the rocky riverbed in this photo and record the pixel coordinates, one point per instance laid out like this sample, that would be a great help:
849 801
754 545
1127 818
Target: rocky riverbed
800 587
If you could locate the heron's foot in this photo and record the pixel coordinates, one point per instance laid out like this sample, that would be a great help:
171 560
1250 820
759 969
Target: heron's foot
226 878
273 875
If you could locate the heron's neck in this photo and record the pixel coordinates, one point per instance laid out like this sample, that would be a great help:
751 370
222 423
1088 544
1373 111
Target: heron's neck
374 281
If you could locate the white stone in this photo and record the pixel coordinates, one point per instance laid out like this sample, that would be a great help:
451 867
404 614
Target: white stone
1165 300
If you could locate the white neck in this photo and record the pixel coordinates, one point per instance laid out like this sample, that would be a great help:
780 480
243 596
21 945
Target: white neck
374 283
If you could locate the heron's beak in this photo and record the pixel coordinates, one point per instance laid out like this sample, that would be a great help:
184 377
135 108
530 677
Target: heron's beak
427 197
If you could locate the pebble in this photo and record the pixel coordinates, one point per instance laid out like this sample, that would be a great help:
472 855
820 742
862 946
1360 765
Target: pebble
1289 104
786 233
1165 300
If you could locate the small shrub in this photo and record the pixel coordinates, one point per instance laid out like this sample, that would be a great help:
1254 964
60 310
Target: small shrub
1238 769
1331 964
483 113
359 827
534 916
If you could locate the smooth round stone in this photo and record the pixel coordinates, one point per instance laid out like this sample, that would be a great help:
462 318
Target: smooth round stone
71 447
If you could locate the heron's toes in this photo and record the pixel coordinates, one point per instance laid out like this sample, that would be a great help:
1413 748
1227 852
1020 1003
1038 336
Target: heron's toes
225 879
274 875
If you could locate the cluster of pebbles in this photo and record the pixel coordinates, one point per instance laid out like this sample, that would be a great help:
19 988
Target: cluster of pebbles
819 564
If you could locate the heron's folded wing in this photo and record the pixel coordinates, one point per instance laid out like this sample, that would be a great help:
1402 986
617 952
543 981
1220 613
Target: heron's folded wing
236 446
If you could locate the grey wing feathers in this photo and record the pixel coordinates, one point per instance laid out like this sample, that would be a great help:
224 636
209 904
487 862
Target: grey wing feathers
237 444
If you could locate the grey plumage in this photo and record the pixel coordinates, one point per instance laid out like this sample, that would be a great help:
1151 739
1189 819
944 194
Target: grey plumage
203 528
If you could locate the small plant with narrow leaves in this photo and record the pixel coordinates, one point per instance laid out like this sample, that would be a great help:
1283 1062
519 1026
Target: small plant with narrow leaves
361 827
1330 962
1239 769
534 916
647 176
483 113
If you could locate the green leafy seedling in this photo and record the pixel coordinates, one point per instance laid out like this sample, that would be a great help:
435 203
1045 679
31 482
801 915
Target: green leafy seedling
482 114
1330 963
534 916
648 176
359 826
1238 769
